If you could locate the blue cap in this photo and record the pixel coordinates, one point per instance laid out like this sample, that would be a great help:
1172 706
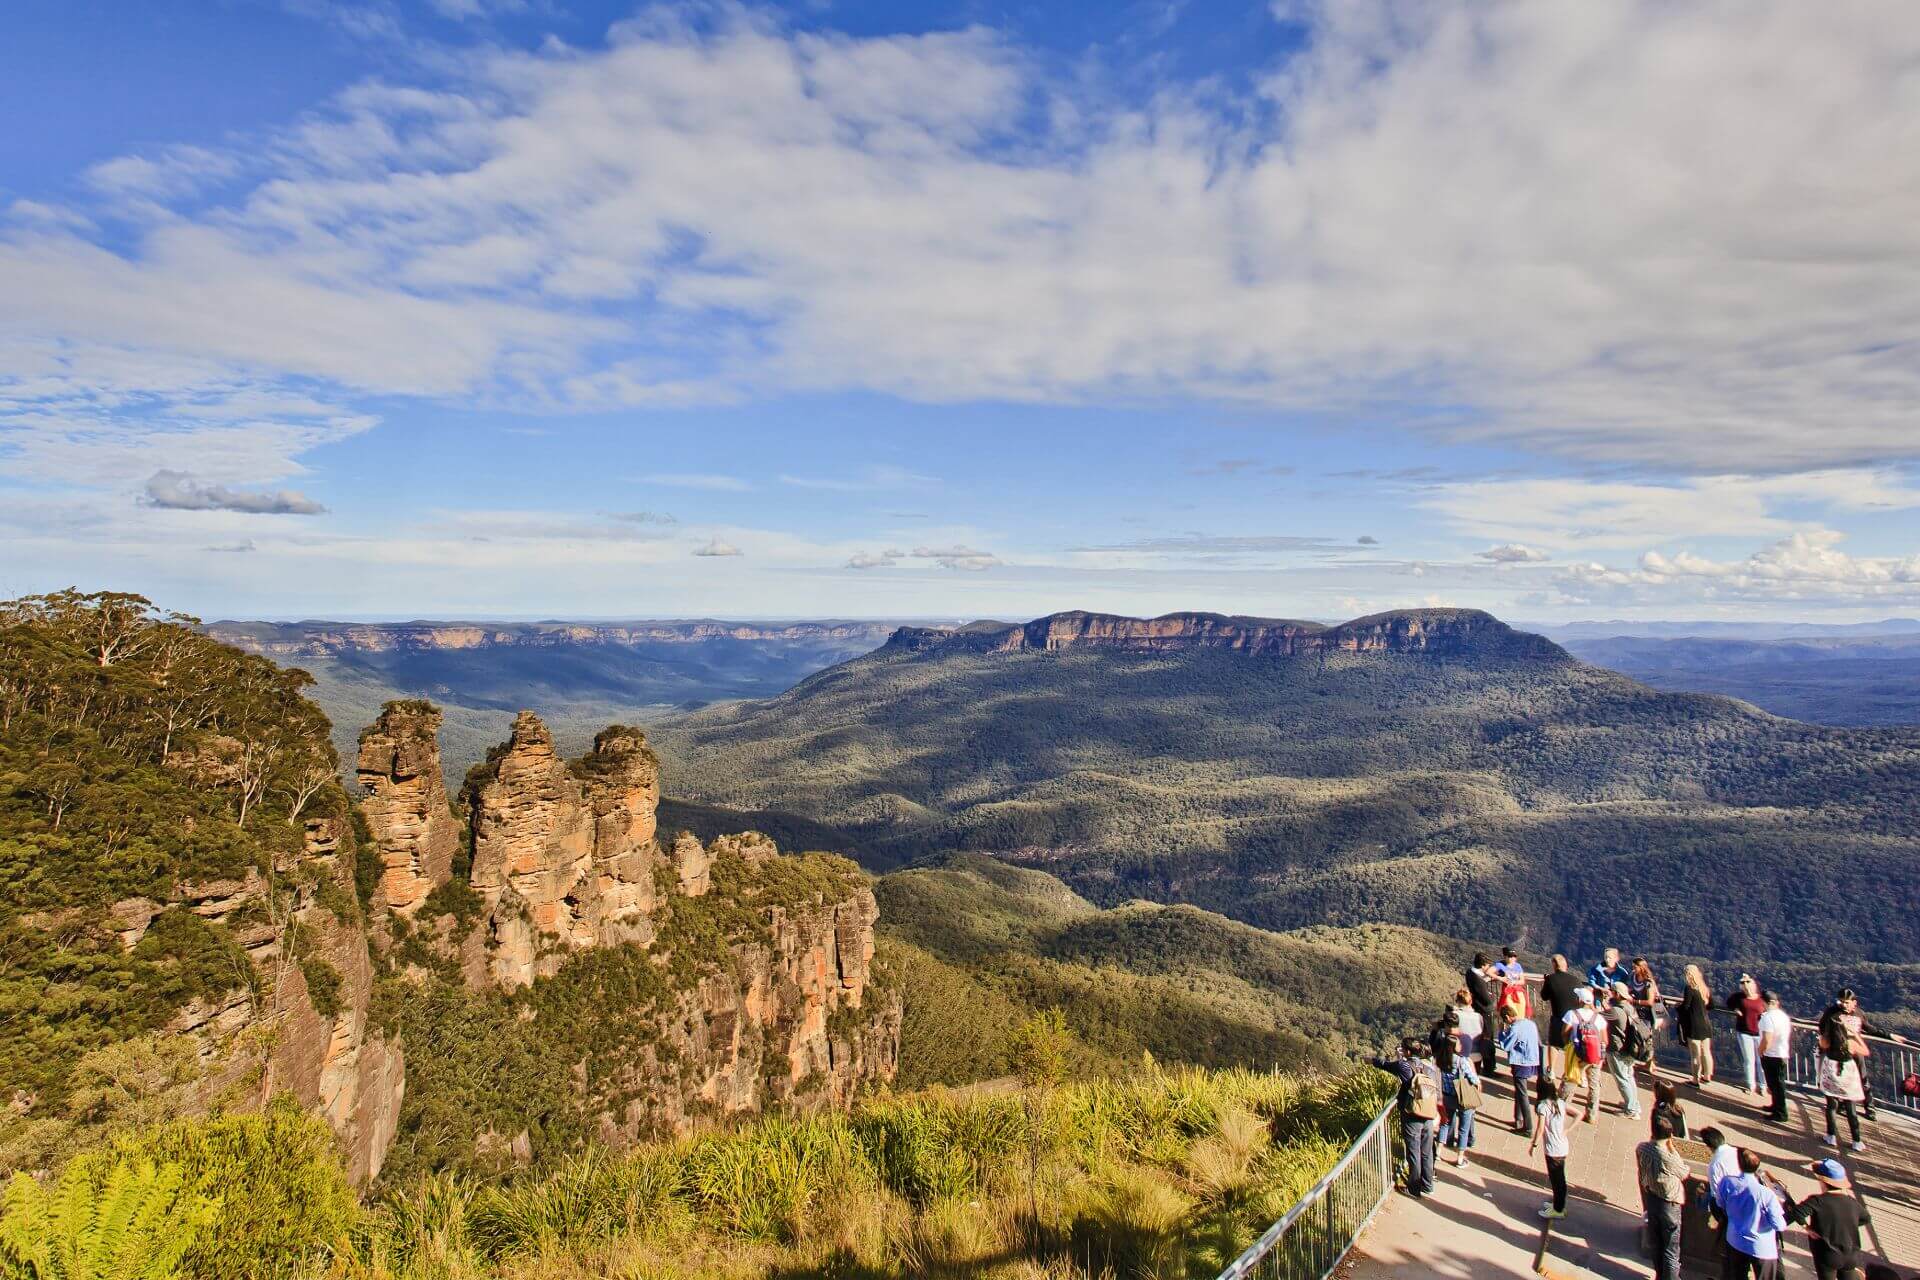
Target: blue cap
1831 1170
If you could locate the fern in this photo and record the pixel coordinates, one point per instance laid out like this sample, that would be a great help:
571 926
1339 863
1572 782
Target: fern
135 1223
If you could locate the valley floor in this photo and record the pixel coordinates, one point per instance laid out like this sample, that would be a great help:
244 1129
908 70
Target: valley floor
1480 1222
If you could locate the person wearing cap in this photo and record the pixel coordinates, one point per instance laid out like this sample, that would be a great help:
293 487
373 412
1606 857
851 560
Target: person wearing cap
1510 969
1776 1044
1663 1190
1575 1070
1747 1005
1833 1219
1756 1214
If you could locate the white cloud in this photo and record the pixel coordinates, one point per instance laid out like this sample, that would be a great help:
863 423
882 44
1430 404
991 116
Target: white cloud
178 491
958 556
686 480
1805 567
1514 553
1602 230
866 479
874 559
715 547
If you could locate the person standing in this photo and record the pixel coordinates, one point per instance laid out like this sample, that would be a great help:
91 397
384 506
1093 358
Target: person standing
1776 1043
1663 1189
1646 998
1747 1005
1420 1095
1852 1030
1724 1163
1834 1218
1696 1025
1627 1040
1473 1029
1462 1084
1841 1086
1483 988
1558 990
1605 974
1666 1102
1552 1130
1755 1209
1521 1040
1586 1051
1510 969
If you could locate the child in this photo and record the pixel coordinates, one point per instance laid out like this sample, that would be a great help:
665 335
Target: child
1552 1129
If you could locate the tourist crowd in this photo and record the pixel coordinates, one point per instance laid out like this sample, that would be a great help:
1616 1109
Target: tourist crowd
1601 1034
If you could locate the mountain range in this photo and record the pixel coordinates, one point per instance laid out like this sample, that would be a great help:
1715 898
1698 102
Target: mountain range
1433 768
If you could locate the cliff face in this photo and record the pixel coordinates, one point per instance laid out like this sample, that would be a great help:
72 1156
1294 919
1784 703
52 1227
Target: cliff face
319 1044
1443 632
405 805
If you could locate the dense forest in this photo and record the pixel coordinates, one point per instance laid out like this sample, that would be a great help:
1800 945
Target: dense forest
1476 795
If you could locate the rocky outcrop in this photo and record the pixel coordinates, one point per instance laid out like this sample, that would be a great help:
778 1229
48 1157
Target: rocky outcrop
1440 632
563 855
405 805
790 1015
310 1003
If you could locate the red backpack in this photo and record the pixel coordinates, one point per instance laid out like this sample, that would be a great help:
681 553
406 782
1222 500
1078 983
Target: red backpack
1514 1005
1593 1039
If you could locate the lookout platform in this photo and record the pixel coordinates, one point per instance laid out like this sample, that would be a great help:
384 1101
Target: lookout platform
1481 1221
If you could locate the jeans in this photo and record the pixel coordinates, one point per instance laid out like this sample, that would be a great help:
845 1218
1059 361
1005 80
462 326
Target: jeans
1776 1069
1664 1215
1557 1179
1417 1135
1458 1131
1620 1067
1523 1100
1749 1059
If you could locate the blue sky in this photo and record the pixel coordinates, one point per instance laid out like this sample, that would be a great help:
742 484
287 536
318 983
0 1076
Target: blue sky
503 308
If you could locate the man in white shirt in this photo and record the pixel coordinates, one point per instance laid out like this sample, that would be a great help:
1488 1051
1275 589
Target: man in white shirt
1776 1042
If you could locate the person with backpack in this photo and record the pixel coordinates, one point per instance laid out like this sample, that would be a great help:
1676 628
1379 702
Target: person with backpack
1420 1097
1552 1130
1585 1053
1696 1025
1747 1005
1462 1087
1521 1041
1849 1031
1627 1044
1776 1044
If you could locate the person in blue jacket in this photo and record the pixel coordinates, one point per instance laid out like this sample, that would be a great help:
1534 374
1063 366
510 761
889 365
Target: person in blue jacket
1521 1041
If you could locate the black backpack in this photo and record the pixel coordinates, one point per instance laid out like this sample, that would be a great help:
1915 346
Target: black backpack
1634 1042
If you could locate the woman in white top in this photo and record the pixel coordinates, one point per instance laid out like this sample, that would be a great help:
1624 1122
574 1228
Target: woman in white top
1552 1130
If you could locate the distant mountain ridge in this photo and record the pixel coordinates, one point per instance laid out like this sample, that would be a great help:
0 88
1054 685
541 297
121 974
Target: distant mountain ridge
316 638
1435 631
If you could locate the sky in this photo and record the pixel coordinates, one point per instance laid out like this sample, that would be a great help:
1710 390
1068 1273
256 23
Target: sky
532 308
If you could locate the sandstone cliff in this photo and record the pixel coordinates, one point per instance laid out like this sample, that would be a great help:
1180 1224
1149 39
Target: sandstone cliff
668 979
326 639
303 1025
405 805
1441 632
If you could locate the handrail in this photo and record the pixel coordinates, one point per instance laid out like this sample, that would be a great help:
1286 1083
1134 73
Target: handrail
1272 1236
1800 1024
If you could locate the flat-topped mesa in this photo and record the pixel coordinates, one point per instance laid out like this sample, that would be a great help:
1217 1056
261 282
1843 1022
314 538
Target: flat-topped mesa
1431 631
405 804
563 854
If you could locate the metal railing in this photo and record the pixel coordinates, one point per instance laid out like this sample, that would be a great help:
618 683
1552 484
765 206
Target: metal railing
1309 1242
1887 1067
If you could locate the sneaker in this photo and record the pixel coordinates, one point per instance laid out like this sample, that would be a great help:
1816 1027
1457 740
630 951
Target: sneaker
1859 1146
1633 1115
1550 1213
1462 1162
1831 1141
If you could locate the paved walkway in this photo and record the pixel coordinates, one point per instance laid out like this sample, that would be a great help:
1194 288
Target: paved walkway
1481 1220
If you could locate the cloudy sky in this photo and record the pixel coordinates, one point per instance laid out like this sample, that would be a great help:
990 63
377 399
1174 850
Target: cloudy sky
544 307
